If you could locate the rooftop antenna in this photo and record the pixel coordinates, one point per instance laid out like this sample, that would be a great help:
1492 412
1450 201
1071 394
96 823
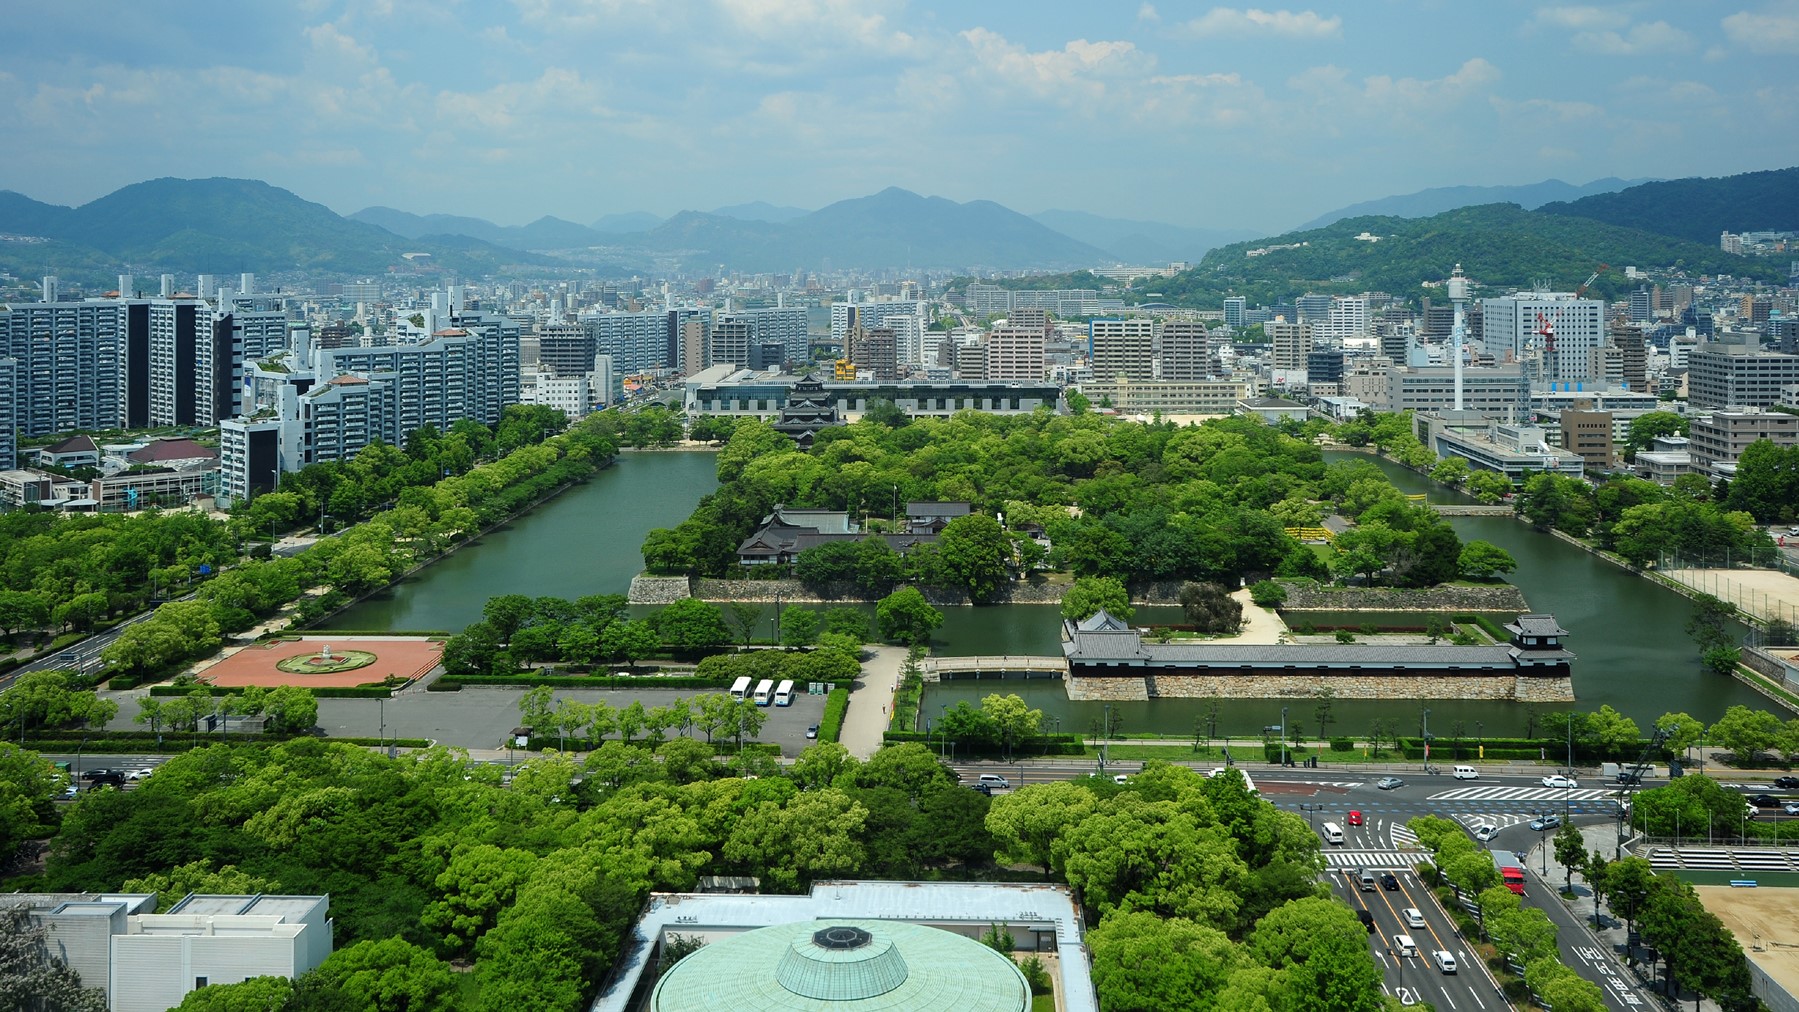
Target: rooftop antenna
1458 297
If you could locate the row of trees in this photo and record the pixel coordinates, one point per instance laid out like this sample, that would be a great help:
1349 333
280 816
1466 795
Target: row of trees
713 714
1203 896
534 883
425 520
76 571
44 700
1641 520
289 709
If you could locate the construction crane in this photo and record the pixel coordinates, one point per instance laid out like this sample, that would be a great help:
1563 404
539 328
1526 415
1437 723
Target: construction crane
1588 283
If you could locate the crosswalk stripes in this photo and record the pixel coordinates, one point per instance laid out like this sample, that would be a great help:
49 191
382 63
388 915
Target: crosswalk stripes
1373 860
1524 794
1402 836
1503 820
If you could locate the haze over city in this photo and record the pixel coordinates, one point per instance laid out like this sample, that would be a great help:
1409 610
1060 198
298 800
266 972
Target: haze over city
1190 114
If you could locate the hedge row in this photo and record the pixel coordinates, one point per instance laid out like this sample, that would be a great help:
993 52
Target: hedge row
370 691
121 742
1041 745
533 679
836 705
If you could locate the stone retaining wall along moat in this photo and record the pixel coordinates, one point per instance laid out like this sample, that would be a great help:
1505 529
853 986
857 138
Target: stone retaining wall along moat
1304 595
1519 688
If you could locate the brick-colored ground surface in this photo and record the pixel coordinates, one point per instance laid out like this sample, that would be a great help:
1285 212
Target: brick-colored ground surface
255 665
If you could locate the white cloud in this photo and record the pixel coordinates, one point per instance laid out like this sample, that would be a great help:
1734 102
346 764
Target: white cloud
1252 21
1637 40
1546 110
1771 31
1078 72
1148 12
1579 19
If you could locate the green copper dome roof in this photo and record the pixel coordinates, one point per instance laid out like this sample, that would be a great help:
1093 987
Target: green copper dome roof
843 966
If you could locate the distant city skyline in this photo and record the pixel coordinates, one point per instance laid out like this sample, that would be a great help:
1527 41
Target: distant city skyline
1194 115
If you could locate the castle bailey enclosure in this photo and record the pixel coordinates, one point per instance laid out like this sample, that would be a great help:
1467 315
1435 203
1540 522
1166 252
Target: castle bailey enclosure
1107 659
1628 632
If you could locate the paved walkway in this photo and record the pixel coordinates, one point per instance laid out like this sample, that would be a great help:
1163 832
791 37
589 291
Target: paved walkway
1610 936
871 701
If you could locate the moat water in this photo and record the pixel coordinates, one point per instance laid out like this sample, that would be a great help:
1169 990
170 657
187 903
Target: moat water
1629 634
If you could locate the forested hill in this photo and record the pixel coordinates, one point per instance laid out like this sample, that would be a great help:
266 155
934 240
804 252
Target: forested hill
1697 209
1499 245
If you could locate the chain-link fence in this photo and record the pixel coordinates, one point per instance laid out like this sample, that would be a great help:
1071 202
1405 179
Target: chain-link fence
1764 586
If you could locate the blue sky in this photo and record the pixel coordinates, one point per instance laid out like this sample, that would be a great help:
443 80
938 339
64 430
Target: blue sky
1189 113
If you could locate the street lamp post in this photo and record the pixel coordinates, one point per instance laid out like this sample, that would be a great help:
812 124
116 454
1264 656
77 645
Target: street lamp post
1309 809
1283 736
1424 731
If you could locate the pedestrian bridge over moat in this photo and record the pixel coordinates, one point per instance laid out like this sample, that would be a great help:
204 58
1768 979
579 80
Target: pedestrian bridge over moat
936 669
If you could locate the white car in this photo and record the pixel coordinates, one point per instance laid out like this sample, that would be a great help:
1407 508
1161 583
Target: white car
1560 781
1444 959
1485 833
141 774
1120 778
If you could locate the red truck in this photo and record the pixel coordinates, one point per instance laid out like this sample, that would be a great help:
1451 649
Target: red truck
1511 870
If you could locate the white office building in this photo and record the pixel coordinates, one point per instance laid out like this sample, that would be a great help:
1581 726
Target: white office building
1512 326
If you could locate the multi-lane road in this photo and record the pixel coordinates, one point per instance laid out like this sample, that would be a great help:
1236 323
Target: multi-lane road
1382 844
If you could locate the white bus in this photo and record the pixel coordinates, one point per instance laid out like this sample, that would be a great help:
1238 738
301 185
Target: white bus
765 690
784 693
740 688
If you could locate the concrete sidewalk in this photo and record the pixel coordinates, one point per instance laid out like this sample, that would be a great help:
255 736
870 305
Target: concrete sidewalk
1610 935
871 701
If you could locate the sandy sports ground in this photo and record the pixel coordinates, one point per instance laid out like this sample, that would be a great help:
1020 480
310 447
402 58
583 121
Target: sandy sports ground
1764 919
1766 593
407 657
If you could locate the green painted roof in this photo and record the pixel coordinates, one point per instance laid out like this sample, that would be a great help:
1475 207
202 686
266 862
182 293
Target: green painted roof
843 966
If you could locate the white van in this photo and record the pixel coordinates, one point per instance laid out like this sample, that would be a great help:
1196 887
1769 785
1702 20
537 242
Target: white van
1445 960
1404 946
994 780
1467 773
1414 918
1333 833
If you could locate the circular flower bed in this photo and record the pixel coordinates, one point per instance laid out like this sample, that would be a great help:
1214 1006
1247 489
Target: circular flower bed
340 660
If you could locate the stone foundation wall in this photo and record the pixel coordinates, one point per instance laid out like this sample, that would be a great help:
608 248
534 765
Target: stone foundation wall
1495 687
1304 596
647 589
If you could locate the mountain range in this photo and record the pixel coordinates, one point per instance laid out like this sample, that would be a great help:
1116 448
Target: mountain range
1699 208
217 225
230 225
1501 246
1438 199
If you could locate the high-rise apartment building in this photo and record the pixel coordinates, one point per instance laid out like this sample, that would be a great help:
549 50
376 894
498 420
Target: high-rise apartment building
1124 348
9 409
1292 344
1015 353
1187 352
1313 308
1236 307
873 348
69 371
782 325
1347 320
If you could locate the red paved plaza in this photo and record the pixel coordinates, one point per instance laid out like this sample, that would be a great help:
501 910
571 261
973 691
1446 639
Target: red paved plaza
255 665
